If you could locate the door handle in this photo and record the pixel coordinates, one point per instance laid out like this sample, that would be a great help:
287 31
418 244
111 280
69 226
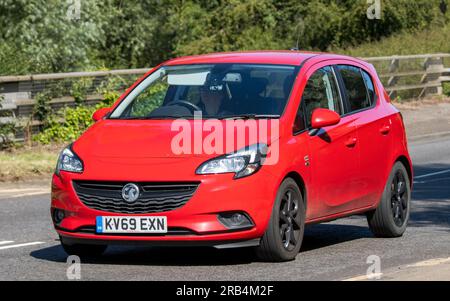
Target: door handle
385 130
351 142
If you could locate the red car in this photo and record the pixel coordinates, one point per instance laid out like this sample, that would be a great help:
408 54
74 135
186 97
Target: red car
336 145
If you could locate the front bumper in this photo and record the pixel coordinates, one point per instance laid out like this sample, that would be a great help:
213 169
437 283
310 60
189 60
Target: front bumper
69 239
195 223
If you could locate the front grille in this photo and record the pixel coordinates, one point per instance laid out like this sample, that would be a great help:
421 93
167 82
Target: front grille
153 197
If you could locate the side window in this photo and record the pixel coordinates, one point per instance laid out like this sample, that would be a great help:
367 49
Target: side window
149 99
355 86
321 91
299 123
370 87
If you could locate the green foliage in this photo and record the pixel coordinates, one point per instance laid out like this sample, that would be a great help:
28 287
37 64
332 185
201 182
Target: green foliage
134 33
111 89
37 36
201 27
150 99
42 33
434 40
42 107
70 122
76 121
67 125
110 97
12 61
446 88
80 89
7 129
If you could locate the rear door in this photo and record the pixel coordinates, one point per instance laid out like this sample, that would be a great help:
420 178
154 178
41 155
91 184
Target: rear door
334 151
360 99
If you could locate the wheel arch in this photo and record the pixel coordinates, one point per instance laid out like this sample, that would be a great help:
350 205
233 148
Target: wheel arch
404 160
300 183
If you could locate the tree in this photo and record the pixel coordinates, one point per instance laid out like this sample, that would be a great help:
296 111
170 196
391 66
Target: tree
42 33
37 36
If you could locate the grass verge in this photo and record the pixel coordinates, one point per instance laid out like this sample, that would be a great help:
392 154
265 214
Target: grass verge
28 163
433 40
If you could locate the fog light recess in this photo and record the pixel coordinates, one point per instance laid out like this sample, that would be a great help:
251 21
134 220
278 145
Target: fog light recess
58 216
235 220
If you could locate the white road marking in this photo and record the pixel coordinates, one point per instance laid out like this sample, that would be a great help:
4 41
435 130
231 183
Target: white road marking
432 180
17 193
22 245
432 174
24 194
5 242
12 190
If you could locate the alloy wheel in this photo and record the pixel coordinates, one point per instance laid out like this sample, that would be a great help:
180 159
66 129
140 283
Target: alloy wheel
399 199
289 221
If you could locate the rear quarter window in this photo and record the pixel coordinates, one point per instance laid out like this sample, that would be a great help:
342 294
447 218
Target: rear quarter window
370 87
359 88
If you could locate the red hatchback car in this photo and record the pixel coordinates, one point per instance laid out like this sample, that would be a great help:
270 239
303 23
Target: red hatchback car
163 165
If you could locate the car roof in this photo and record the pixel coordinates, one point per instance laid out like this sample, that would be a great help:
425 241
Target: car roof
278 57
295 58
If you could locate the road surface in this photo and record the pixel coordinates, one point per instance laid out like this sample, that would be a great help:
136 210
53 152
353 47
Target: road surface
29 249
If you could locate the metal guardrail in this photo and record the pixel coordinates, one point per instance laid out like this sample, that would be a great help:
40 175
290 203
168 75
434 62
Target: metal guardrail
422 74
56 76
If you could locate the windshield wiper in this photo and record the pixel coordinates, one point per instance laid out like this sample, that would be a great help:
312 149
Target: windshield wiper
251 116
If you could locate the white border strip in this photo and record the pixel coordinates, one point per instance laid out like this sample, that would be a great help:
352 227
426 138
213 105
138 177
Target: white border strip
5 242
22 245
432 174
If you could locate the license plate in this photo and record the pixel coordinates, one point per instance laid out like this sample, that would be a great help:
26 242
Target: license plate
128 224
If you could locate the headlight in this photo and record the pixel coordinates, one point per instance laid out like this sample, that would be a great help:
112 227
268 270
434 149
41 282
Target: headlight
69 161
244 162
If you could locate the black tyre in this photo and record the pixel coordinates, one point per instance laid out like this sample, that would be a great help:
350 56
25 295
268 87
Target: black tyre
284 235
391 217
82 250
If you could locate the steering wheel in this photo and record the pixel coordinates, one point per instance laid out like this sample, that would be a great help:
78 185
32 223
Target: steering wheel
184 103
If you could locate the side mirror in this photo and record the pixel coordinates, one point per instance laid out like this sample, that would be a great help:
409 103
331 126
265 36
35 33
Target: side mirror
324 117
100 113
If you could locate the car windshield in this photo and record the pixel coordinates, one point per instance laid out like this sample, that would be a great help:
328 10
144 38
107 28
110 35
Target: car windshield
210 91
